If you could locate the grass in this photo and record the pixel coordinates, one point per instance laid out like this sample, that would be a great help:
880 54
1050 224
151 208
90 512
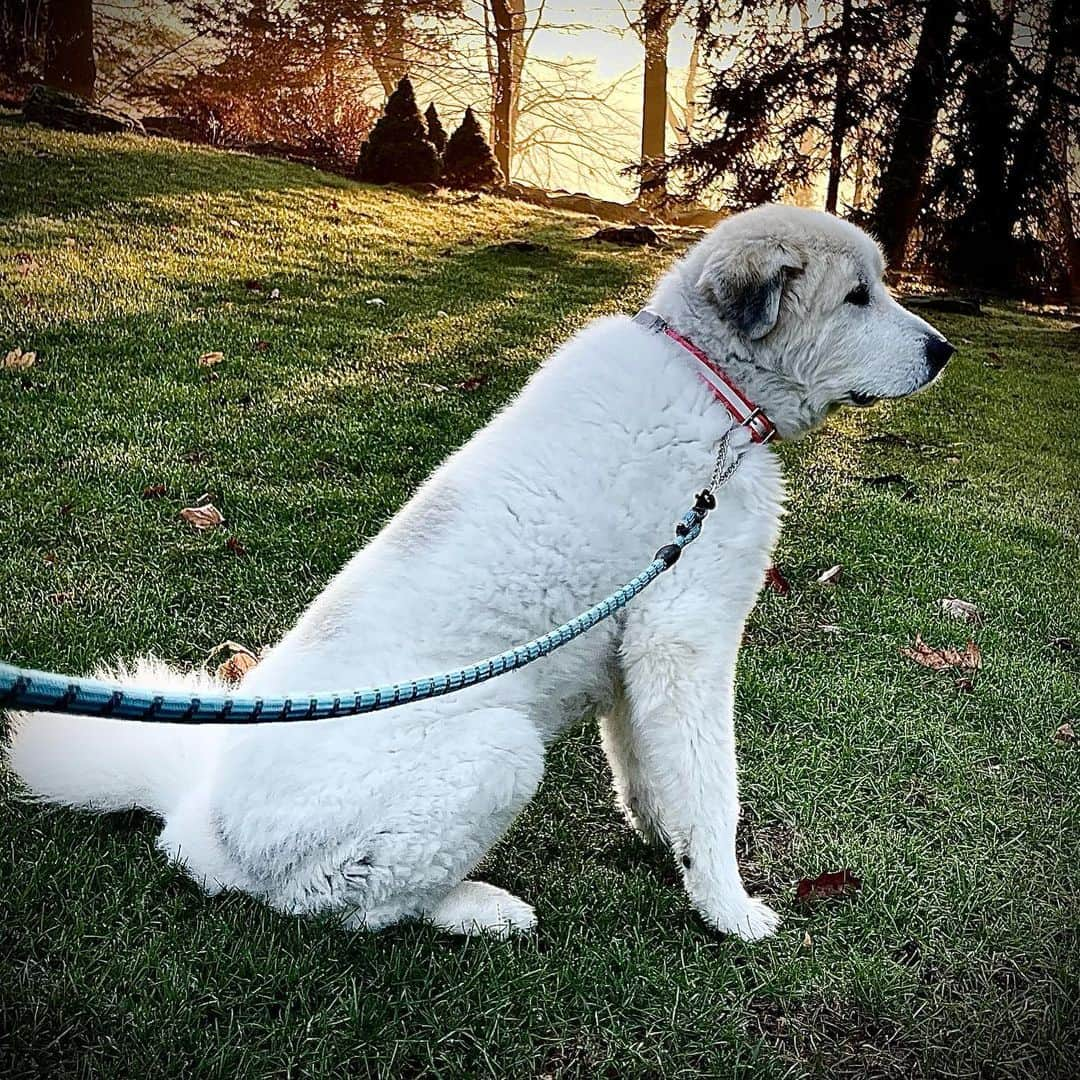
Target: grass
122 261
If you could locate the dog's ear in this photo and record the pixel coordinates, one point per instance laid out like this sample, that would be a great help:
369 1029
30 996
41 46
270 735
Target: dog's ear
746 283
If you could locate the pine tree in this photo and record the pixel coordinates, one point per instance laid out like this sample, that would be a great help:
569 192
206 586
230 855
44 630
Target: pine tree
468 161
398 149
436 133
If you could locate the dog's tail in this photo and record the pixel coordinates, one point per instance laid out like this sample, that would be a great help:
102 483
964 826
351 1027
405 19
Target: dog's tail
101 764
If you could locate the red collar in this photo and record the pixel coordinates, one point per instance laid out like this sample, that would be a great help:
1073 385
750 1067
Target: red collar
742 409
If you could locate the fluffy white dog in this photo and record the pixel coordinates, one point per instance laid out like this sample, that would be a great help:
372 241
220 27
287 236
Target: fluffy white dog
564 496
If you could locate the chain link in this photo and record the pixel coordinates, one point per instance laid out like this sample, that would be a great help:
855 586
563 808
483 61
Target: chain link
724 469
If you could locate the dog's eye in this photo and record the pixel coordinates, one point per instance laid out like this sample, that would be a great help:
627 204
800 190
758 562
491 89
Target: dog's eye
859 296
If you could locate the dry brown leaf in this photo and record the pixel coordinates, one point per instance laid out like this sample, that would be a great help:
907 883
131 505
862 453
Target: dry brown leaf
827 886
830 576
154 491
203 517
17 360
961 609
237 664
776 581
233 670
944 659
209 359
234 545
1065 733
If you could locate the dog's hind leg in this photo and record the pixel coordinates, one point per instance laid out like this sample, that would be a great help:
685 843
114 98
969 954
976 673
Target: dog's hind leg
386 827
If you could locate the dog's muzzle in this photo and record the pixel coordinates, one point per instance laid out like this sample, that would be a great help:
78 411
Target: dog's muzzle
938 351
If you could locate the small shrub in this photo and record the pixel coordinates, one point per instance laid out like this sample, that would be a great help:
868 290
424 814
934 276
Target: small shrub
398 149
468 161
435 131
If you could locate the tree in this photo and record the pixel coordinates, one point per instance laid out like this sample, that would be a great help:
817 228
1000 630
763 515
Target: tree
654 29
398 149
506 60
792 83
999 211
468 161
904 177
841 120
69 48
436 132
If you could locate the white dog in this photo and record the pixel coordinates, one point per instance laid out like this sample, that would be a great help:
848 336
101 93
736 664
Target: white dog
564 496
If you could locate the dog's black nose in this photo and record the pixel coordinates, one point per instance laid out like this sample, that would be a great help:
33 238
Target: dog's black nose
938 351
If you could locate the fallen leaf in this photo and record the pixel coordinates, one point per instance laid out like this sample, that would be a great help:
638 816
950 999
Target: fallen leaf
17 360
1065 733
776 581
944 659
154 491
376 301
262 346
830 576
470 386
961 609
209 359
235 546
830 885
807 941
203 517
233 670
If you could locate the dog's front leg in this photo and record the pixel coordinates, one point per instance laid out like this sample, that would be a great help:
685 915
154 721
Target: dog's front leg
681 697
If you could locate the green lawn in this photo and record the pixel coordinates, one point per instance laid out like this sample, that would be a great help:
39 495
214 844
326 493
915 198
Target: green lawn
122 261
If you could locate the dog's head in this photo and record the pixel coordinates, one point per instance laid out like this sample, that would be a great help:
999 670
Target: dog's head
799 295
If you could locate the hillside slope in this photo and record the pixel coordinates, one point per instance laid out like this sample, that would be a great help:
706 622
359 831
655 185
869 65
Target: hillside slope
363 335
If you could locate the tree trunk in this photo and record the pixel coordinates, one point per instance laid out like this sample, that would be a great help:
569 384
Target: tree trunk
987 224
69 48
509 19
841 119
902 182
1031 142
656 20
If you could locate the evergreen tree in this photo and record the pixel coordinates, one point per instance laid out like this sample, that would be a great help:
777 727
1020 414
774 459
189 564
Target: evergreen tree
468 161
436 133
398 149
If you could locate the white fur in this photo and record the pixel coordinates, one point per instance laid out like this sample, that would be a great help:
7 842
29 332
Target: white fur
564 496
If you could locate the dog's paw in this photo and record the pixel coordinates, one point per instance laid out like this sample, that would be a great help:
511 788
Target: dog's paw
475 907
744 917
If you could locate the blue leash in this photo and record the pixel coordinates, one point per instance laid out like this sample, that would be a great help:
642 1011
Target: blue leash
28 690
